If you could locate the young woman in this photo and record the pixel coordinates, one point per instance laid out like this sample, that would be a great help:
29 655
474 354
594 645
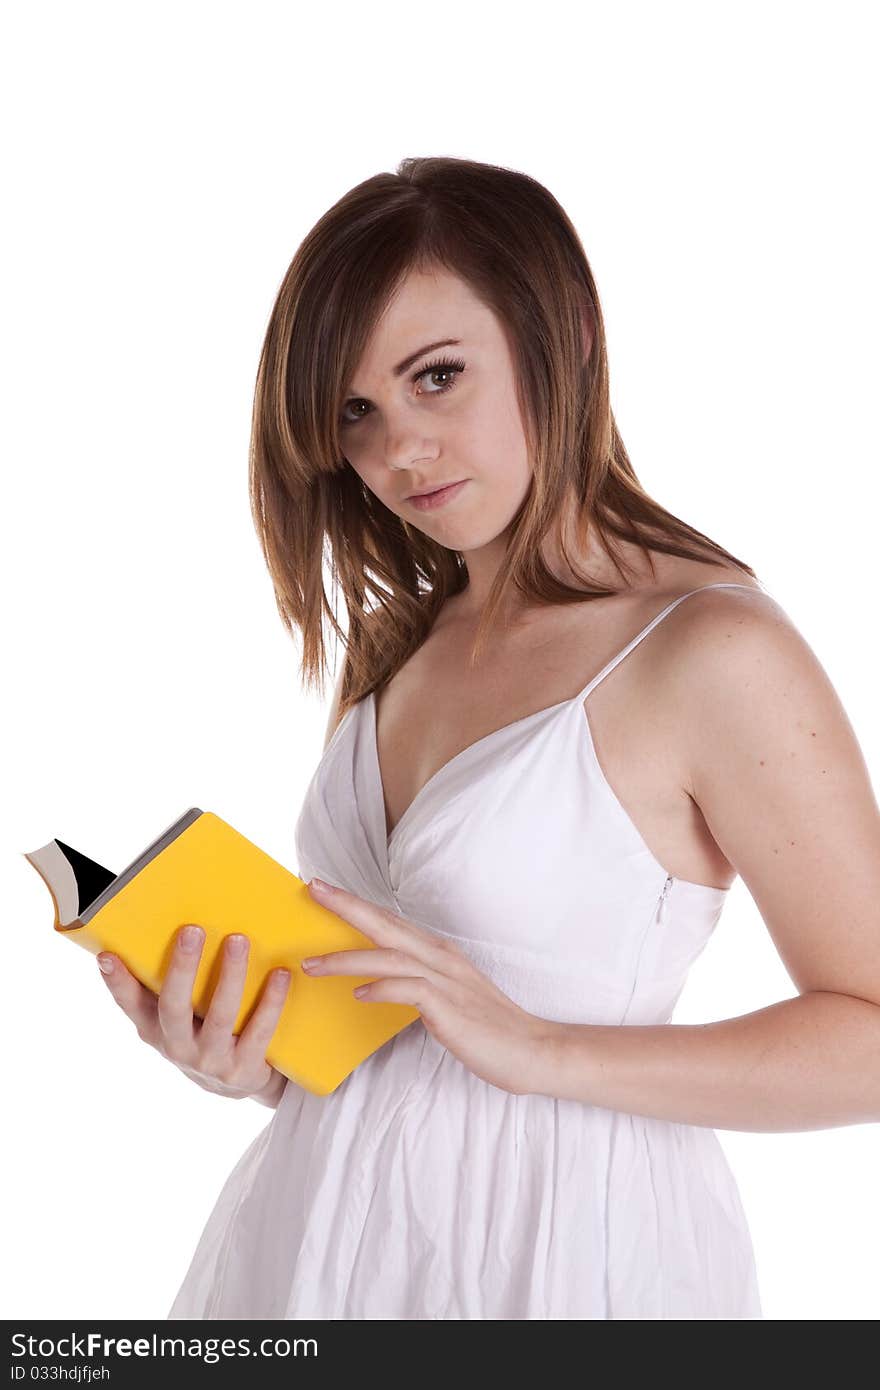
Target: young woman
566 721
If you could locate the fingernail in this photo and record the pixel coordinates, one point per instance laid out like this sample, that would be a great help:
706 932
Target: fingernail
105 964
236 945
191 937
321 886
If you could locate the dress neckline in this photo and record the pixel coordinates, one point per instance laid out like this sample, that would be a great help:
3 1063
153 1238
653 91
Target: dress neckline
450 762
713 891
577 698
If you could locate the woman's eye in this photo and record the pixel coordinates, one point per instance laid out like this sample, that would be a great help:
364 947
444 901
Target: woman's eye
346 419
433 369
449 369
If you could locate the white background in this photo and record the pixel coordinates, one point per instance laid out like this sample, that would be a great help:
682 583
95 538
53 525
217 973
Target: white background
162 163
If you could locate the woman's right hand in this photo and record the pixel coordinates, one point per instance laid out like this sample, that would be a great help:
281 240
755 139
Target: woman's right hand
206 1050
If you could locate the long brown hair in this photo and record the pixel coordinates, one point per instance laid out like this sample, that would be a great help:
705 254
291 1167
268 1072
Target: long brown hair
507 236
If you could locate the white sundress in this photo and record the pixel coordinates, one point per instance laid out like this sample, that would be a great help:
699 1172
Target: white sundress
416 1189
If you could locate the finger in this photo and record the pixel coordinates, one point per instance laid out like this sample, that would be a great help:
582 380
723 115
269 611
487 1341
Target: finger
133 998
176 995
216 1027
380 924
259 1030
376 960
414 990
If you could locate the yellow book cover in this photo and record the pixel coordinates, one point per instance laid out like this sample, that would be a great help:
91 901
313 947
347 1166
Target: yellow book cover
202 870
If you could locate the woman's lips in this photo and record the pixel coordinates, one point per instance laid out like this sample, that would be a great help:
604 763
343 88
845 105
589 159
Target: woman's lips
429 500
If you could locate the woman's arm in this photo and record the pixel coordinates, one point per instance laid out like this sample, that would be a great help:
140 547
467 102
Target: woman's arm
775 768
806 1063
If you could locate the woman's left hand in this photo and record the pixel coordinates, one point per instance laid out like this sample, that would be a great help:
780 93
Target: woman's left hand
459 1005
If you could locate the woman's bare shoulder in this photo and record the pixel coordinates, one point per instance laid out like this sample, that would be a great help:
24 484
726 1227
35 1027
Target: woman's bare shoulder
717 630
771 759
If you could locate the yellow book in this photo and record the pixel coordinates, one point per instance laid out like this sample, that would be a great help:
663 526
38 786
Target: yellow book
202 870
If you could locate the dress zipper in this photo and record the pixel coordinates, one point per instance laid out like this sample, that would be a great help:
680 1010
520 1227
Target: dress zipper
661 910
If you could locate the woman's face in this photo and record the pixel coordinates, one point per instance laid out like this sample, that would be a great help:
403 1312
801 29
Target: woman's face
405 429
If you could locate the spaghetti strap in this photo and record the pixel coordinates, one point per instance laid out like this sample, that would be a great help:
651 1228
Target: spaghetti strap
591 685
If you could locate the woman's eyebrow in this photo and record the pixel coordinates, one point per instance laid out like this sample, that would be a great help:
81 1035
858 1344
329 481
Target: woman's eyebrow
414 357
431 347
